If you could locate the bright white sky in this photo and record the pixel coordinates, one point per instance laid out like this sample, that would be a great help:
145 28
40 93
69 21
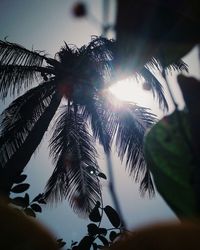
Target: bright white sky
44 25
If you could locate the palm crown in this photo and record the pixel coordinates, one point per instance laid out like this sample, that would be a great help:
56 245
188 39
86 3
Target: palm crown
89 113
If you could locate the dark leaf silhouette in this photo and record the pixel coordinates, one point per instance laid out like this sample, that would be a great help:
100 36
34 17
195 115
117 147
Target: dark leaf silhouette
102 230
20 188
86 243
92 229
74 243
20 178
19 201
36 207
27 199
102 175
80 78
95 214
28 211
100 246
61 243
112 216
103 240
75 248
21 146
113 235
95 246
18 67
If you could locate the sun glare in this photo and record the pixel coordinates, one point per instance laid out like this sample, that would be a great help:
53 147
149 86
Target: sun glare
132 90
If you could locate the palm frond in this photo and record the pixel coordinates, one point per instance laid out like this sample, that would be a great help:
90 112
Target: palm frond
75 156
17 78
14 54
20 117
132 125
97 116
25 146
146 185
101 48
102 51
129 123
80 67
155 87
92 64
178 66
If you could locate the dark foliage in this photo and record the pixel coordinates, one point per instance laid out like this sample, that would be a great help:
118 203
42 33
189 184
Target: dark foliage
80 77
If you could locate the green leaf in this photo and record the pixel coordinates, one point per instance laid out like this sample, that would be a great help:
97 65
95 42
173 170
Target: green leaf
20 188
92 229
112 216
36 207
28 211
103 240
102 175
172 164
20 178
95 215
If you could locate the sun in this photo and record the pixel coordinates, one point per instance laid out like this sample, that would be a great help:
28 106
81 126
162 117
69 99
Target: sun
132 90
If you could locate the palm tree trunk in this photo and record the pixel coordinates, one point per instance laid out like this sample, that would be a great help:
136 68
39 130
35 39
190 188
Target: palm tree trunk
15 166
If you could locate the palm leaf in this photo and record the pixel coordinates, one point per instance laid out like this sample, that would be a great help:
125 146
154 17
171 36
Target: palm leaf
146 184
27 134
95 113
128 123
14 54
155 87
101 51
19 118
132 122
16 78
132 125
75 156
178 66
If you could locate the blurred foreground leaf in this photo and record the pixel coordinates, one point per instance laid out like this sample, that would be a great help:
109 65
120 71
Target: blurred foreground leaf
172 164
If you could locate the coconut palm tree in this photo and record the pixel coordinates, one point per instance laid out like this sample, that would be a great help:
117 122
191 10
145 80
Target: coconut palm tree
74 83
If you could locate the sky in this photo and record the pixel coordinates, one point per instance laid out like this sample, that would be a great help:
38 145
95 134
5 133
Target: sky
45 25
